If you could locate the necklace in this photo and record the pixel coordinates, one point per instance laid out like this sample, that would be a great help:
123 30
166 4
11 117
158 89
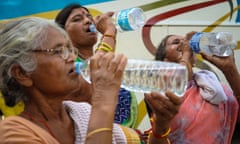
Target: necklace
42 122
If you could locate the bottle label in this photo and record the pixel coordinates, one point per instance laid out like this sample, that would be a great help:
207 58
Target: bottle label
194 42
123 21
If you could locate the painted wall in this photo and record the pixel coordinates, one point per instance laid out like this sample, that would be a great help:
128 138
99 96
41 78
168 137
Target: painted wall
163 17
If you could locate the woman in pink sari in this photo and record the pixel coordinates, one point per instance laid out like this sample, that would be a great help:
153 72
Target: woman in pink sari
209 110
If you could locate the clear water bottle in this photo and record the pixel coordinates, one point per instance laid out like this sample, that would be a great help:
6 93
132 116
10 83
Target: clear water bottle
129 19
147 75
216 43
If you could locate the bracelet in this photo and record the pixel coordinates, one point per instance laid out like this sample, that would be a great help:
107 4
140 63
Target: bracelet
160 136
105 45
104 49
110 36
97 131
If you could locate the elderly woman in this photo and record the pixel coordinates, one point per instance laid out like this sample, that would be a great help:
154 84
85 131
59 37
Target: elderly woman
37 66
209 110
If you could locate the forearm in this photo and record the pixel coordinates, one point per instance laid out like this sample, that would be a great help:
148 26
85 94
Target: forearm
102 118
159 135
108 40
233 77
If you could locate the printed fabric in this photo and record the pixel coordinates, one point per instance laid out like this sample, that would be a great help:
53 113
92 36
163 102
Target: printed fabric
80 113
127 109
200 121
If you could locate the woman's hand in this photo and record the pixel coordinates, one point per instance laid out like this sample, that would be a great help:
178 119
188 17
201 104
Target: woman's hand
223 63
106 76
164 109
104 24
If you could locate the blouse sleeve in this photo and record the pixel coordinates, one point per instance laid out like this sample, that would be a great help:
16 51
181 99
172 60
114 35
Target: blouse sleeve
18 130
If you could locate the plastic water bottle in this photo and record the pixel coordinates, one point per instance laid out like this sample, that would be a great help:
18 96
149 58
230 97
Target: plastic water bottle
216 43
147 75
129 19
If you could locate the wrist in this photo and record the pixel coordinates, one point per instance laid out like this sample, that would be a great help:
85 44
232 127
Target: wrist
111 31
230 71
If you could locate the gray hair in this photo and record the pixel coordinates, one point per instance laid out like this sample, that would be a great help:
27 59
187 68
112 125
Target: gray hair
17 40
161 50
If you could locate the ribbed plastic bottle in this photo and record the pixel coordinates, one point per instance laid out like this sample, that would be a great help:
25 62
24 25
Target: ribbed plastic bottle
129 19
215 43
147 75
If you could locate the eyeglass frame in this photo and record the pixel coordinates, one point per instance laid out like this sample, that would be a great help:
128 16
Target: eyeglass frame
64 52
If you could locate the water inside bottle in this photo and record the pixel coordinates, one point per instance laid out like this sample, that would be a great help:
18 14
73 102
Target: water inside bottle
220 44
146 77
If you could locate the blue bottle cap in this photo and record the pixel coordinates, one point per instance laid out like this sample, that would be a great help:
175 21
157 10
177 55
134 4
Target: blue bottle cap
194 42
79 66
92 28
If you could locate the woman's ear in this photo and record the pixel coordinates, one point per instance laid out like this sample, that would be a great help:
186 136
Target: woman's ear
21 76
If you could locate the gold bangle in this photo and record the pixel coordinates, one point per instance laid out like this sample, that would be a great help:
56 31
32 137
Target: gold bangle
97 131
105 49
110 36
160 136
105 45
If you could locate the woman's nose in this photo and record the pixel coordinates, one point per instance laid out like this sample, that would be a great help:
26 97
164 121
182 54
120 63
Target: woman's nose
88 20
71 57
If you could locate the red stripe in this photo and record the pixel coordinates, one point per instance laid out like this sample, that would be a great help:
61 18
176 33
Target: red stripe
152 21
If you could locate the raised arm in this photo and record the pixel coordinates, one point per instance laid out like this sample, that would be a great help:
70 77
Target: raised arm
228 67
106 73
108 30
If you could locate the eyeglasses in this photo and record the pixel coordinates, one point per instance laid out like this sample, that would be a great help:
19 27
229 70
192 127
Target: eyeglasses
63 51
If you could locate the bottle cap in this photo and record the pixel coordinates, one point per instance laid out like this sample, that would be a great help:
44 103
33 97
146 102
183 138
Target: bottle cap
79 66
92 28
194 42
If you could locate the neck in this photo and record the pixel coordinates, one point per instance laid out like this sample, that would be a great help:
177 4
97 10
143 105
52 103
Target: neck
84 93
85 52
40 122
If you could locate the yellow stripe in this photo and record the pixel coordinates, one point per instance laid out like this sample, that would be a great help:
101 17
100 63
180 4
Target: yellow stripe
219 21
131 136
238 45
142 111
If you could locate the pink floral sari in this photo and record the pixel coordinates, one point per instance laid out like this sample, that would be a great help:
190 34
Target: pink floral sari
201 122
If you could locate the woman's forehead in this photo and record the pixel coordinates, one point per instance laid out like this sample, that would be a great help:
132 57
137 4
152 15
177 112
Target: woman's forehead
77 11
55 37
173 37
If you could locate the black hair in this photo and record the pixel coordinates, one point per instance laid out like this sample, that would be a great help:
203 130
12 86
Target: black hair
63 15
161 50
